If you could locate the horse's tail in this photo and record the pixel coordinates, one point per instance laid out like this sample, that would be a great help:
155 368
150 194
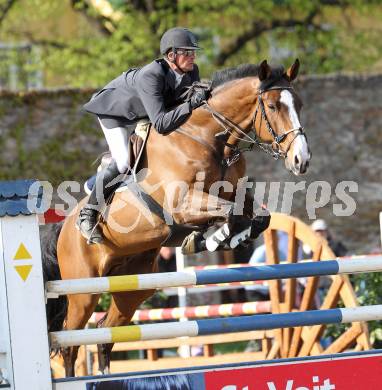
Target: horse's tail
56 309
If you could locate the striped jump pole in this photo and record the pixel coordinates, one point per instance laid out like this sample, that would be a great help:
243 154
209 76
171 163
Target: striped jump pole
176 313
189 278
213 326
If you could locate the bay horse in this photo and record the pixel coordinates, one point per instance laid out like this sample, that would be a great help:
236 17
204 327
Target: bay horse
255 104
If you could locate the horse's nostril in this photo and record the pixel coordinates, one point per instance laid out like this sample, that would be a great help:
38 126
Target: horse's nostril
296 160
307 164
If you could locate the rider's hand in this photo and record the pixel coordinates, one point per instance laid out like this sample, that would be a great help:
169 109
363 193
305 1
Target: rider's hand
198 98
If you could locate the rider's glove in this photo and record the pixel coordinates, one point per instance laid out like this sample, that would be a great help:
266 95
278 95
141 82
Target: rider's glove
198 98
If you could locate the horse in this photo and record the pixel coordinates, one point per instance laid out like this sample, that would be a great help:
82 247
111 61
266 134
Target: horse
194 172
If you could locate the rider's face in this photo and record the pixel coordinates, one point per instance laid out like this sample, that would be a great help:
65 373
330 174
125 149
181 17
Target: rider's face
185 59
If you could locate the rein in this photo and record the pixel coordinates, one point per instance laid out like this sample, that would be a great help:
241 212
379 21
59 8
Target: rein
274 149
225 162
230 127
201 141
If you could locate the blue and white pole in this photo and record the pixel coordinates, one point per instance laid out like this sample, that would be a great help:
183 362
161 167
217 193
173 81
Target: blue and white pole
215 276
214 326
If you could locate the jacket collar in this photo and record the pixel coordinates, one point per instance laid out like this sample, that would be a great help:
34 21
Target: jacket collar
171 77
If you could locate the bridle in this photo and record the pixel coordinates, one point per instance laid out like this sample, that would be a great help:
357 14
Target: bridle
275 148
230 128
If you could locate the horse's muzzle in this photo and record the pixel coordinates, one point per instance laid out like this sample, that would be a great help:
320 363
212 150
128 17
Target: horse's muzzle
297 163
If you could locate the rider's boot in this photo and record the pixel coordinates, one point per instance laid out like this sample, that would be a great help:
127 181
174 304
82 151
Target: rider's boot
87 221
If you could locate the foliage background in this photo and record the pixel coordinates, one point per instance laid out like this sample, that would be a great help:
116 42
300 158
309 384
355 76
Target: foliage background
88 42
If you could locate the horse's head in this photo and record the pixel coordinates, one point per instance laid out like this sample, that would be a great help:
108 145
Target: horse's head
276 119
257 99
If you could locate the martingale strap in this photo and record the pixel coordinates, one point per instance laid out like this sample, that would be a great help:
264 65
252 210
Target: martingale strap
150 203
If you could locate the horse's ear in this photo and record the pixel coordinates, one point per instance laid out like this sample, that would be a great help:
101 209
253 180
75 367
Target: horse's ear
264 71
292 72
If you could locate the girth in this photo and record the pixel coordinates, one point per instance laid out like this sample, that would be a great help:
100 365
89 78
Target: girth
177 231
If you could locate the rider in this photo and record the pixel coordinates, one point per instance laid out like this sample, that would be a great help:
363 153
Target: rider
154 91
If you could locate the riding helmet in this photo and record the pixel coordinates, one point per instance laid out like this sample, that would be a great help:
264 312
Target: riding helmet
176 38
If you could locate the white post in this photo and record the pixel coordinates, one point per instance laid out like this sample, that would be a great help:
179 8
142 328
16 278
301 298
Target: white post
380 226
5 347
24 347
184 350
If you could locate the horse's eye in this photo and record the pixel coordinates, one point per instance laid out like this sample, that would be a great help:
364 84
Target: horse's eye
272 107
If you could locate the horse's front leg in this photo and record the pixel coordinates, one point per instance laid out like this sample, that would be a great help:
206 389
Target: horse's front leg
202 208
249 205
244 220
255 220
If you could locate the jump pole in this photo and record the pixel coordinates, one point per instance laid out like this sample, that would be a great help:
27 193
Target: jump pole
213 326
24 348
190 312
229 275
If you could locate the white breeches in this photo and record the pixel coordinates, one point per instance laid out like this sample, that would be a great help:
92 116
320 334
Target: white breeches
117 138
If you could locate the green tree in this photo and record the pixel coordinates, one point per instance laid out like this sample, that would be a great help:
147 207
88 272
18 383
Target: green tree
368 287
84 42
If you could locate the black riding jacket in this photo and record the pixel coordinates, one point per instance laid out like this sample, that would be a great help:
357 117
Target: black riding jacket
149 91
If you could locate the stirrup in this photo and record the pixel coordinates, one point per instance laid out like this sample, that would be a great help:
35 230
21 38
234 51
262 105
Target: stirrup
93 235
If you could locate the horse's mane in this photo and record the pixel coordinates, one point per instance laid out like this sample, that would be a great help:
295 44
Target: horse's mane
245 70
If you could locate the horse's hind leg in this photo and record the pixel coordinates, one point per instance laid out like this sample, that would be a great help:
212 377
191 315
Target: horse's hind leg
121 311
124 304
80 309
